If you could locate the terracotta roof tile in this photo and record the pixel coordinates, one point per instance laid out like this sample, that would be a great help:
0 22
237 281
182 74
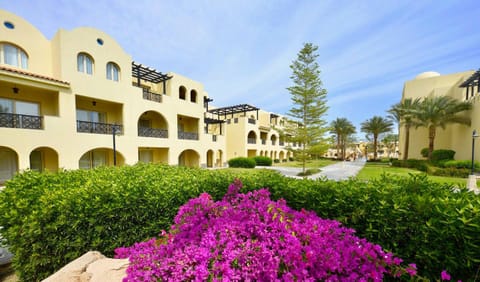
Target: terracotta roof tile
22 72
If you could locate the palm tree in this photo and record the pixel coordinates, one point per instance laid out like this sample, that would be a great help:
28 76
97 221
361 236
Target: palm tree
438 111
376 126
342 128
403 113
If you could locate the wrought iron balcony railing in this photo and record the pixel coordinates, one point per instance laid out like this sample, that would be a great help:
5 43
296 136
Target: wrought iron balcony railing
264 142
251 141
97 127
152 132
148 95
281 143
20 121
251 121
187 135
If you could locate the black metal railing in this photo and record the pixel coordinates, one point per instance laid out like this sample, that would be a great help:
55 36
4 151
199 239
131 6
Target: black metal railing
20 121
264 142
148 95
97 127
187 135
251 121
152 132
281 143
251 141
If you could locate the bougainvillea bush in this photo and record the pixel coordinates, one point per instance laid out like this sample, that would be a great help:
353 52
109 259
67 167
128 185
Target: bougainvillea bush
249 237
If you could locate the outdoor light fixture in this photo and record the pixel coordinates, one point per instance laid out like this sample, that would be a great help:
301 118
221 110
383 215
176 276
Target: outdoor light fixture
15 90
474 135
94 103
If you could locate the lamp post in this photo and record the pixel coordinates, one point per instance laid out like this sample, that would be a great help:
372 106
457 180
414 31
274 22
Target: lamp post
114 131
474 135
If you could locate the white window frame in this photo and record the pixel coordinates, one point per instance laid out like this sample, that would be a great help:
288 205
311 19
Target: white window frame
113 71
85 63
20 57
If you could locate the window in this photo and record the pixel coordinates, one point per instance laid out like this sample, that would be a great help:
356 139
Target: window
91 116
84 63
182 91
193 96
113 72
145 156
14 56
36 161
19 107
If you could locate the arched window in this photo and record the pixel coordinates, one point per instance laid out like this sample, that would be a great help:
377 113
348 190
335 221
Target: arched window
182 91
84 63
113 71
13 55
193 96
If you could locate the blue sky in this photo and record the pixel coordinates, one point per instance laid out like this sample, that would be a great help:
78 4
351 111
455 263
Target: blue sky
241 50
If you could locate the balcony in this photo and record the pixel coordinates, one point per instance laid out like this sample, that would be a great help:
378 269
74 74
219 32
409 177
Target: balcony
187 135
264 142
151 96
20 121
152 132
98 128
281 143
251 141
251 121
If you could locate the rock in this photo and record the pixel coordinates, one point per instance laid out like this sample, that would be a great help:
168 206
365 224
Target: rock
91 267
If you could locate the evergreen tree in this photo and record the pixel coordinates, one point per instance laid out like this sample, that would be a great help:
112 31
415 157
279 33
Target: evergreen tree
309 103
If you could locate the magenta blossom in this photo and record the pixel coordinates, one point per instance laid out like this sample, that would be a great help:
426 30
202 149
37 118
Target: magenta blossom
249 237
445 275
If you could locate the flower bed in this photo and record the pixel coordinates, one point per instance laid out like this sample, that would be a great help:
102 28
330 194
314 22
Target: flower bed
248 237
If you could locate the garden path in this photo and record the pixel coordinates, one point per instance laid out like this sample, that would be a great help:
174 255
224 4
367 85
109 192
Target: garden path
337 171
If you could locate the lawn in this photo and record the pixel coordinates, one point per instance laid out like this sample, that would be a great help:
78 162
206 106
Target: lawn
309 164
375 170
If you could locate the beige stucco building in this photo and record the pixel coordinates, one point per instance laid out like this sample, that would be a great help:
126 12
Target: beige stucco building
80 101
462 86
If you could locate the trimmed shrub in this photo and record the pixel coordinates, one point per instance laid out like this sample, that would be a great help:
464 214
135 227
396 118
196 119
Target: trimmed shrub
51 219
461 164
263 161
424 152
442 155
276 161
309 171
291 159
242 162
451 172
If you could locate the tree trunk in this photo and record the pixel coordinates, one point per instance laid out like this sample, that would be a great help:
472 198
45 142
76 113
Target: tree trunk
338 146
431 139
375 147
407 143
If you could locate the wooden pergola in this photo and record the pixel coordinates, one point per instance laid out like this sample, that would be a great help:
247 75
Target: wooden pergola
470 84
140 72
231 110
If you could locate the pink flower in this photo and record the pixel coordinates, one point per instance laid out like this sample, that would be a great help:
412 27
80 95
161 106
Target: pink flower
411 269
445 275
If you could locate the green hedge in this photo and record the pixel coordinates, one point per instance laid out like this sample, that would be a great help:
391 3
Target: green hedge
442 155
242 162
263 161
50 219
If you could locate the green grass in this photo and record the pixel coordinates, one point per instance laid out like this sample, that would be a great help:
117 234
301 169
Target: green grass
309 164
375 170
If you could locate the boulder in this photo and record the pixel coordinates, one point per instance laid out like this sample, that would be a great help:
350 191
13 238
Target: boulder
91 267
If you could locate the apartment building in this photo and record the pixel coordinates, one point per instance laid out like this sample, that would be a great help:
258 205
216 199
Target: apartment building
80 101
462 86
251 132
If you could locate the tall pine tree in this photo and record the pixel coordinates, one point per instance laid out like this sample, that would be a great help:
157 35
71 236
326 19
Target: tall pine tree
309 104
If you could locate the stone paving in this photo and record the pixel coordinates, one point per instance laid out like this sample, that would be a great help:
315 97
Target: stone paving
338 171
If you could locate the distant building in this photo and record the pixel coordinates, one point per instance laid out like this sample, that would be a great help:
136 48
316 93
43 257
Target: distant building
462 86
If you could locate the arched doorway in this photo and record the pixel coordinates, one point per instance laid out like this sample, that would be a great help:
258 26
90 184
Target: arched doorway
219 160
189 158
100 157
152 124
209 158
252 137
44 159
8 164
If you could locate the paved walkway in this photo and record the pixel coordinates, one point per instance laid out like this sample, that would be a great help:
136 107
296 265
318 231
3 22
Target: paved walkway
337 171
